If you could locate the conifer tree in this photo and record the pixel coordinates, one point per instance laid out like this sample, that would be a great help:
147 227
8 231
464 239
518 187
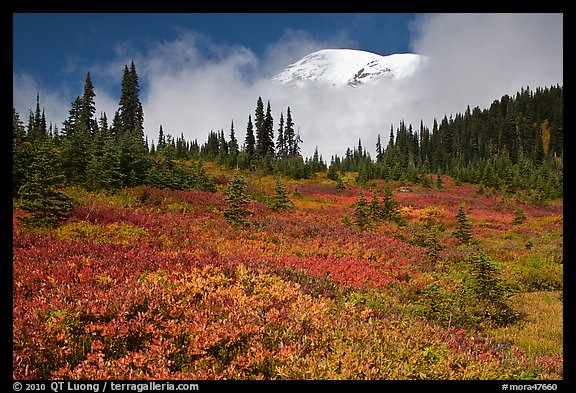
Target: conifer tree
130 109
161 140
129 129
389 208
76 144
290 136
281 151
237 198
22 153
103 171
233 149
362 213
222 148
203 181
40 194
433 246
280 198
250 142
519 216
269 126
37 114
439 183
462 231
375 207
379 150
260 128
485 285
263 123
43 123
88 107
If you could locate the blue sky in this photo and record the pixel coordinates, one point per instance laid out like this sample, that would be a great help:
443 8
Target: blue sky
199 72
69 44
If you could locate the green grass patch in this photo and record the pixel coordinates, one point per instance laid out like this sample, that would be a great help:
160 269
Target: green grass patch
540 333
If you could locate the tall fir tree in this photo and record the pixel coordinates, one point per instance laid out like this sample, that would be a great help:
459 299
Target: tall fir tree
362 213
250 142
88 107
290 136
22 153
237 198
161 140
280 200
76 146
263 123
130 108
40 194
281 151
269 127
462 231
233 149
129 128
260 128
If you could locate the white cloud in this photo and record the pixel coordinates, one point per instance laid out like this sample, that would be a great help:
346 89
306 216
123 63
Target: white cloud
480 57
194 85
25 88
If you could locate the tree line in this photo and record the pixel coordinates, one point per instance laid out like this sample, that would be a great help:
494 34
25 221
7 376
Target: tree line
516 143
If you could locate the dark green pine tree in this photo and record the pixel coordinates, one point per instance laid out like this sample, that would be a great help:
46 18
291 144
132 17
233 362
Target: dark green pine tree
222 157
233 149
250 142
76 144
43 127
519 217
36 125
439 183
37 114
203 181
280 200
161 140
103 171
375 207
22 153
433 246
292 139
129 129
462 231
486 286
290 136
269 127
130 108
362 213
263 122
260 129
379 150
88 107
281 151
390 208
237 198
40 195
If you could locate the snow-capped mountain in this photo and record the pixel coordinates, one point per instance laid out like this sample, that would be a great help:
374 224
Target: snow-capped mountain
348 67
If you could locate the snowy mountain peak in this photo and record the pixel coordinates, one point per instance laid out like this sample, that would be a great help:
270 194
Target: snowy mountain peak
348 67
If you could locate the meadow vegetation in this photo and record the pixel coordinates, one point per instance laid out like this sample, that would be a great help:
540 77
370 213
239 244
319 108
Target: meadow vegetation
319 281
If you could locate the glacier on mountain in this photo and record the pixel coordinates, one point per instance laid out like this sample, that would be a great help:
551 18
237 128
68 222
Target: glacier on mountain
348 67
